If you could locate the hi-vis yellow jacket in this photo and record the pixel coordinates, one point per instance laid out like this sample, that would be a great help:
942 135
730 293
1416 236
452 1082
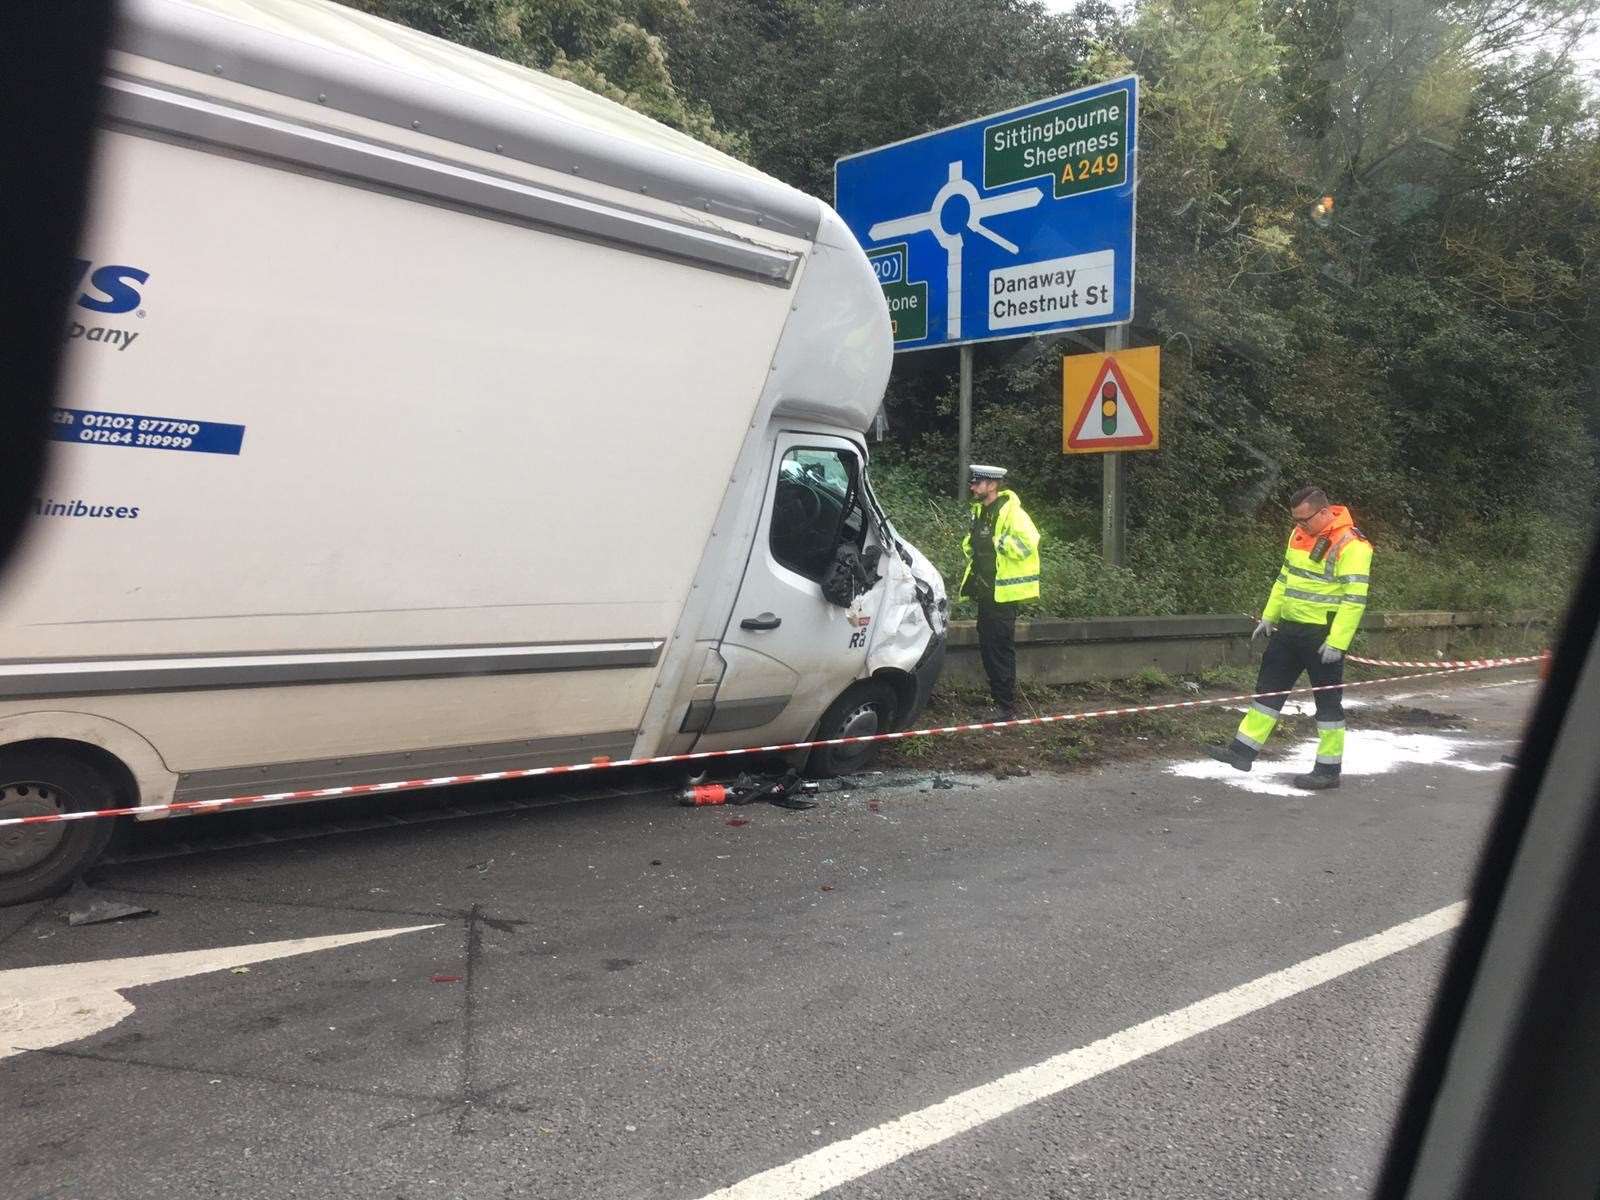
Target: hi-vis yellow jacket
1016 552
1324 575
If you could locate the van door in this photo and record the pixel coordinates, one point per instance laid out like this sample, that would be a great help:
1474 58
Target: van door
789 652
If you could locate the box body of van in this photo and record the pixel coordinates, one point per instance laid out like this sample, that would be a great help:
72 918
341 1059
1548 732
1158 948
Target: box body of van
425 414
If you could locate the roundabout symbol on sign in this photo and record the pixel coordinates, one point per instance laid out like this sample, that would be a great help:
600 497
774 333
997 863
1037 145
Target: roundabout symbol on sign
978 208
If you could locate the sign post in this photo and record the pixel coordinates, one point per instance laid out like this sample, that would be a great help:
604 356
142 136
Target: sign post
1113 477
964 423
1011 225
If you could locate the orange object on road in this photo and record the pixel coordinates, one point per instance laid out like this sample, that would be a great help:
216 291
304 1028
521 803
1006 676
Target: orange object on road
701 794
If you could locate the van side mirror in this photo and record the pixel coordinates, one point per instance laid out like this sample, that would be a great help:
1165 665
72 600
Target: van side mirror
850 574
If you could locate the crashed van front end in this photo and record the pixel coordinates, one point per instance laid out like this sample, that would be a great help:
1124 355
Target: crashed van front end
914 623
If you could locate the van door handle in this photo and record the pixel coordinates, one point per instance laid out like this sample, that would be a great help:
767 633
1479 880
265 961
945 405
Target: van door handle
764 621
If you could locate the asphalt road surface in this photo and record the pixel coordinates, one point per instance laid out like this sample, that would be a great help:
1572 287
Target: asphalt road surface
1157 979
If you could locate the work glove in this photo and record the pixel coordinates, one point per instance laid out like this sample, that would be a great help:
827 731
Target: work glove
1328 654
1263 629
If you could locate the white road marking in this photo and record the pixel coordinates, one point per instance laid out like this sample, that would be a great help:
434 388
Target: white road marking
1368 752
42 1007
839 1163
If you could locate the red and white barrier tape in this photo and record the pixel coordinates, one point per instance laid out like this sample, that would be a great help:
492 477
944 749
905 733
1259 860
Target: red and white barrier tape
1461 664
606 764
1452 664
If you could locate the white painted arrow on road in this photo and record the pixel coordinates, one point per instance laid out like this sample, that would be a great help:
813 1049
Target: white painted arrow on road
42 1007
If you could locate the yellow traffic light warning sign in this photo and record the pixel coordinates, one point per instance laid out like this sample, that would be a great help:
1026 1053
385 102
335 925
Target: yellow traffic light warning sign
1111 401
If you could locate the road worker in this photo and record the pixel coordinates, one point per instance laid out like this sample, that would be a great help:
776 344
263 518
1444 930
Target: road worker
1309 621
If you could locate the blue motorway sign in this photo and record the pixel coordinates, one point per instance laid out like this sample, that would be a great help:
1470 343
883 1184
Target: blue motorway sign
1011 225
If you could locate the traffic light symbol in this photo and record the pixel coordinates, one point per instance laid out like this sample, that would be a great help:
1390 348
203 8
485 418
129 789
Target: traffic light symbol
1108 408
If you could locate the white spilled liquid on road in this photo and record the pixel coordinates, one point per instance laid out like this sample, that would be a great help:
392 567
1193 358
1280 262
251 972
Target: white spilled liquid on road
1367 752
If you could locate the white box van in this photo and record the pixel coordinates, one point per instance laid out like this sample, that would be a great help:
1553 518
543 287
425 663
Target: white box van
427 415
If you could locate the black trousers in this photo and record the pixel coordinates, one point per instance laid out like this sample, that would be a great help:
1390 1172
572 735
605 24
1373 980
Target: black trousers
997 645
1291 650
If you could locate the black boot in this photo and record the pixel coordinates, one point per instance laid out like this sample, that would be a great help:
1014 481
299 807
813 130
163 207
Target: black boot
1317 781
1235 753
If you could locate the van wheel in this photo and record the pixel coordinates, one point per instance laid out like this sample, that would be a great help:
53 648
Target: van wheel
865 709
41 860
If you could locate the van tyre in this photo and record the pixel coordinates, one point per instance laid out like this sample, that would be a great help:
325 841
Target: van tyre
865 709
41 860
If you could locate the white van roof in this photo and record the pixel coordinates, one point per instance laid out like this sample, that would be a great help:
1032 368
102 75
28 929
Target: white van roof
317 50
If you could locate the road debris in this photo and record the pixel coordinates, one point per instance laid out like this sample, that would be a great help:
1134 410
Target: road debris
784 791
86 907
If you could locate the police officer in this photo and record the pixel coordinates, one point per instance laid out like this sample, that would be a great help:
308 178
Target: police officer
1310 619
1002 552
